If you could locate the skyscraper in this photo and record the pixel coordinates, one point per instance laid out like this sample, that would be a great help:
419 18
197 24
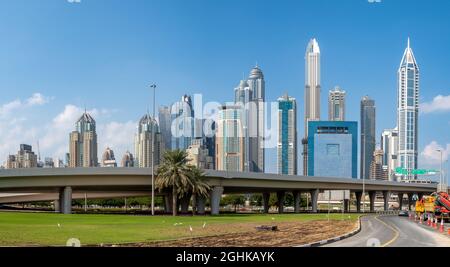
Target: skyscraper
408 112
377 170
389 145
108 159
165 124
25 158
312 93
146 130
336 104
199 155
128 160
287 135
230 139
250 95
182 117
83 143
367 136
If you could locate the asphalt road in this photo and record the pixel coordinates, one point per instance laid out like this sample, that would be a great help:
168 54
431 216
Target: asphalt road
394 231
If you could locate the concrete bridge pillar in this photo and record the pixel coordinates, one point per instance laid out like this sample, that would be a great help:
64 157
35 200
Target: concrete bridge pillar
400 201
372 195
216 195
281 197
386 196
265 200
200 204
358 196
346 205
297 197
314 197
57 206
410 201
65 200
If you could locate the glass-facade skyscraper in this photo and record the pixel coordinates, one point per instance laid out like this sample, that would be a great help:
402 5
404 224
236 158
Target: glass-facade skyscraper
83 143
368 124
408 112
287 135
336 104
183 123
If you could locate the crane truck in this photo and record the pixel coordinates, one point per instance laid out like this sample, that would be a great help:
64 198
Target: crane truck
436 204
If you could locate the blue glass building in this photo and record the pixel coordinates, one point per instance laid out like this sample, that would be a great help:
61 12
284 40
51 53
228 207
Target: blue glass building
333 148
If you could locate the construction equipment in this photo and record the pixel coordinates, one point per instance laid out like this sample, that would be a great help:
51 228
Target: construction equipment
436 204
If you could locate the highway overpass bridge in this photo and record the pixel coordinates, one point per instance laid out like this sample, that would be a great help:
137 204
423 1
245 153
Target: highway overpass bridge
64 184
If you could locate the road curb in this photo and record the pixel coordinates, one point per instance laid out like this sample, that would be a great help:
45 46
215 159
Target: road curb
334 239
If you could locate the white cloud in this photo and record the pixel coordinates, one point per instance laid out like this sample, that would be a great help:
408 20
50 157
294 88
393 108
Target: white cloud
37 99
439 104
117 136
431 157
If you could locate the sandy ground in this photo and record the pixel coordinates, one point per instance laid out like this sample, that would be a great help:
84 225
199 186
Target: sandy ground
288 235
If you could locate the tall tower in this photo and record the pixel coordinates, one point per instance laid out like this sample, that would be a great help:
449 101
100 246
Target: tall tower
165 125
312 93
83 143
250 95
230 139
183 123
146 130
336 104
408 112
367 135
287 135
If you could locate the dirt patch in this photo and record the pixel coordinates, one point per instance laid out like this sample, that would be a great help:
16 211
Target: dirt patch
288 234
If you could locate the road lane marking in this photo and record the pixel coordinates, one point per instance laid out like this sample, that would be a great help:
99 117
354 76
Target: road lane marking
397 234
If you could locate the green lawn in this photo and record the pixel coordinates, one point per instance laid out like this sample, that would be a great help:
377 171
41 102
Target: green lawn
22 229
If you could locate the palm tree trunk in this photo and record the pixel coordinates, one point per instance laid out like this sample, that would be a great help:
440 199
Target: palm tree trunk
174 201
194 203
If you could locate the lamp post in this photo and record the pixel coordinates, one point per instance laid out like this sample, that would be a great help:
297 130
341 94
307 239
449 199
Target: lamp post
153 86
441 179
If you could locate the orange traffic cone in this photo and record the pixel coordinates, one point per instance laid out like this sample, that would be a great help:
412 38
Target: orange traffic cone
421 222
428 220
435 226
441 228
448 231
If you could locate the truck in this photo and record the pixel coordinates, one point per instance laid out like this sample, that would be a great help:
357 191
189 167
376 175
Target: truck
437 205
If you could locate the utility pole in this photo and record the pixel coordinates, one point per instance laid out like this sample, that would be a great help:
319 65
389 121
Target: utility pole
153 86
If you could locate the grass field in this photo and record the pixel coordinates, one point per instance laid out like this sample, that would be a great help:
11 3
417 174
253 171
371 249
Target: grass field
30 229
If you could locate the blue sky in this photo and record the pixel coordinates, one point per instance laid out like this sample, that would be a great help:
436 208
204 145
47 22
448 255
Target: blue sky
103 54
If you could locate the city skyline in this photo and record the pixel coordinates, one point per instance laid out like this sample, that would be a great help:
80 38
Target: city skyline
116 116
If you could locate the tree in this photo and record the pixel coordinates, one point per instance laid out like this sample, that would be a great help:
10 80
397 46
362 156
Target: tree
175 173
199 188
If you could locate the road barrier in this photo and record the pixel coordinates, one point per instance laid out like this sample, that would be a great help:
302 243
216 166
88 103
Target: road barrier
387 213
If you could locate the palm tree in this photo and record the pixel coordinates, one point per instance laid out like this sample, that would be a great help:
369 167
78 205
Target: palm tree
198 186
174 173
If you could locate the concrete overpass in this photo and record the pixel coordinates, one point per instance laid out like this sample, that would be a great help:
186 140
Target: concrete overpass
62 184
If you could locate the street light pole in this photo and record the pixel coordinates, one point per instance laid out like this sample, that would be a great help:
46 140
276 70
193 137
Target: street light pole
440 172
153 86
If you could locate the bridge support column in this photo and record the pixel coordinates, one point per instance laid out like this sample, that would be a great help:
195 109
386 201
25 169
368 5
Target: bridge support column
281 197
184 203
200 205
400 201
372 195
56 205
358 196
410 201
65 200
216 195
346 205
168 203
297 197
265 200
314 197
386 196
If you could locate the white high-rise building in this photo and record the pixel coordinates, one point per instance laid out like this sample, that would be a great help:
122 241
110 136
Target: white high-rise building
250 95
408 113
312 93
336 104
389 145
312 83
146 131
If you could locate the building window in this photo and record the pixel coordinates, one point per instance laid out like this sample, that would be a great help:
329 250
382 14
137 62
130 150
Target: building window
333 149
